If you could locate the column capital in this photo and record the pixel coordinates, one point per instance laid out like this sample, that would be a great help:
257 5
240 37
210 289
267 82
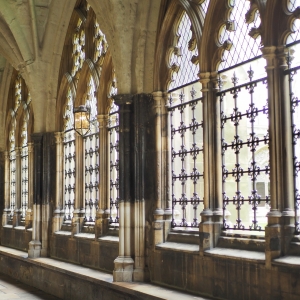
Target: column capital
30 147
123 99
58 137
204 77
103 120
6 154
37 138
269 54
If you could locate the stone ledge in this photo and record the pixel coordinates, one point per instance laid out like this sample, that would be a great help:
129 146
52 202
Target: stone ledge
20 228
87 236
188 248
109 239
7 226
66 233
253 256
288 261
86 276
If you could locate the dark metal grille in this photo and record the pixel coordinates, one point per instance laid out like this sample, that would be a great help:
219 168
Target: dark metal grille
234 36
91 146
113 129
184 53
69 158
12 160
187 155
24 181
245 153
91 161
69 153
293 74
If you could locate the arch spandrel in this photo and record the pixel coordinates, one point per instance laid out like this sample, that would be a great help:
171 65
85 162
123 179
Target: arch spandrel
106 77
66 84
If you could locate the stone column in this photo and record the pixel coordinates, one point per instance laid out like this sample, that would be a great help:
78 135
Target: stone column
288 205
48 189
145 154
58 214
211 216
29 212
6 210
280 217
78 213
35 244
101 223
123 270
17 211
158 223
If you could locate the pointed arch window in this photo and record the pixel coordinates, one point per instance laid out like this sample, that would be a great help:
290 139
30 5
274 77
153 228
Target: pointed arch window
25 158
186 121
69 158
19 168
244 121
113 129
82 67
12 168
91 157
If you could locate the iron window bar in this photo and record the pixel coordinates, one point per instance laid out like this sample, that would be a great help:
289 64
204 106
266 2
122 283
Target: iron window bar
69 157
12 161
253 142
24 181
185 157
113 130
91 146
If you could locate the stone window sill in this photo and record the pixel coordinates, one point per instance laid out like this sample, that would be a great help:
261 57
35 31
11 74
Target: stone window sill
8 226
20 228
85 236
64 233
251 256
288 261
180 247
109 239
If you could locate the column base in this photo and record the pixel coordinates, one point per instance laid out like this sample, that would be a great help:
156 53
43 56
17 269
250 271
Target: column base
123 271
141 275
34 249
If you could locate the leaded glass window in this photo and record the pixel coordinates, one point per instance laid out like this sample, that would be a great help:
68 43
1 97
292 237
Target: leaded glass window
292 4
91 157
69 158
12 167
185 108
293 73
24 159
244 123
113 129
78 53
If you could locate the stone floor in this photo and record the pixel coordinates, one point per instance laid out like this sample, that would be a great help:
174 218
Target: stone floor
13 289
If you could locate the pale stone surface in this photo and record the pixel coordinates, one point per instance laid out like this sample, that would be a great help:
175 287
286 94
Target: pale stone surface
138 289
237 254
13 289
